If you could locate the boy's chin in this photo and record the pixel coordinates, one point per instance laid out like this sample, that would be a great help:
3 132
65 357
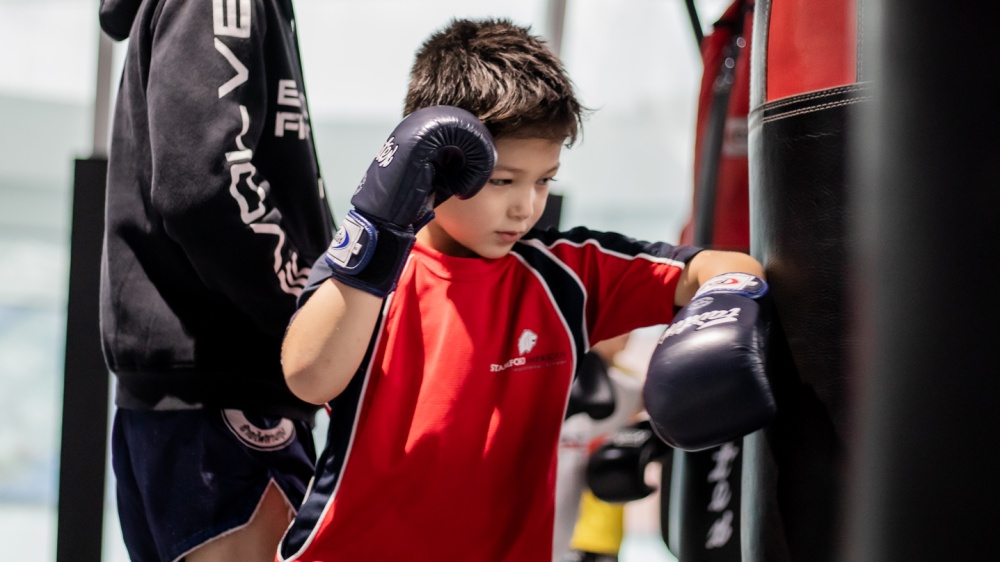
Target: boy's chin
494 253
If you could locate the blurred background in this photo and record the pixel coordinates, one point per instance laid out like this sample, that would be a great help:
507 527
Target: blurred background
635 62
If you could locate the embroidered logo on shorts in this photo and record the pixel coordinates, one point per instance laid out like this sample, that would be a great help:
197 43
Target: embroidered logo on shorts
260 438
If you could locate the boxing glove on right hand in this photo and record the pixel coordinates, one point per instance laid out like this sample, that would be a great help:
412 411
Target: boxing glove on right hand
434 153
706 382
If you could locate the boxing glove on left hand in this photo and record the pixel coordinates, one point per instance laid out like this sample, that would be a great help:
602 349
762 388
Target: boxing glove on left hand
434 153
706 382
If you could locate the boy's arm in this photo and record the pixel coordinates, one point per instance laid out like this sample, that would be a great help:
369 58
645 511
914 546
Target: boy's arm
327 340
434 153
709 263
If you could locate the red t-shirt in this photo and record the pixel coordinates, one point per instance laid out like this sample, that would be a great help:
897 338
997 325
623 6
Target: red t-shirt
443 446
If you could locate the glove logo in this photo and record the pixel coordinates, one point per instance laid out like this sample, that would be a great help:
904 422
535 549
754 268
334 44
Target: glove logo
700 303
385 154
702 321
350 247
737 283
342 240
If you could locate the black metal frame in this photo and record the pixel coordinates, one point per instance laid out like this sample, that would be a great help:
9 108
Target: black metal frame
83 450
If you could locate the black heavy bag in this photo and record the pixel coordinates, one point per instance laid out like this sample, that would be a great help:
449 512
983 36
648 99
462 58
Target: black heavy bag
806 85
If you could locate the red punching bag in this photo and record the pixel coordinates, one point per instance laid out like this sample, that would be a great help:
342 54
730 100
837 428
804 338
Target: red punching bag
720 216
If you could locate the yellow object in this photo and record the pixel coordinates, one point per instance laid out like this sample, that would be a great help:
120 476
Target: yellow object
600 527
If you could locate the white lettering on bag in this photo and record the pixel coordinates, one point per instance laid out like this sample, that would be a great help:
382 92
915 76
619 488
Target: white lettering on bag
722 529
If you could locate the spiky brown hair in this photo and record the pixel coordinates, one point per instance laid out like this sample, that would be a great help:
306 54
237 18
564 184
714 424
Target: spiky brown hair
502 74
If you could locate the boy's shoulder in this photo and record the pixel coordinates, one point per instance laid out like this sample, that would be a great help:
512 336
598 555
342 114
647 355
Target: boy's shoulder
551 236
605 243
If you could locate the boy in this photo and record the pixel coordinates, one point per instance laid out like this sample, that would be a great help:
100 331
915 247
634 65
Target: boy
448 367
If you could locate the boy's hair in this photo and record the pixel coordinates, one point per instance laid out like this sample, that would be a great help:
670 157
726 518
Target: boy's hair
502 74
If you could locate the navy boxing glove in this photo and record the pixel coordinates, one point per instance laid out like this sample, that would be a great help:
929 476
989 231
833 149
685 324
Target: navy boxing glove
706 383
592 391
616 471
433 154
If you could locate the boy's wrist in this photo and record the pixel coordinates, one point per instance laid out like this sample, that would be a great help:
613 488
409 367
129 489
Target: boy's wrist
369 254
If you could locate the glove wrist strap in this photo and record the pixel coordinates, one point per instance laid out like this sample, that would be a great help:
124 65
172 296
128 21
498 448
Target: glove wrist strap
743 284
369 254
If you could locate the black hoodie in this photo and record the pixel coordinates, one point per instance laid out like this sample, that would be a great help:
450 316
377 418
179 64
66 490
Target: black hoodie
215 207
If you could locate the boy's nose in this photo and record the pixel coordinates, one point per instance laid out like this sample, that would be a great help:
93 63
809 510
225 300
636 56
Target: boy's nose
523 203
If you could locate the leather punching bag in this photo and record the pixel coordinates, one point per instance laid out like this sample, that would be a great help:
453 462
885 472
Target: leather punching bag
806 86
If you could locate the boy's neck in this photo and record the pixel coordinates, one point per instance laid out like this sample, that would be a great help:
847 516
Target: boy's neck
436 238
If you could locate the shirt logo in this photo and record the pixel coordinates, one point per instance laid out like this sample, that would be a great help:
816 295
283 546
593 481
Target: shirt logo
526 342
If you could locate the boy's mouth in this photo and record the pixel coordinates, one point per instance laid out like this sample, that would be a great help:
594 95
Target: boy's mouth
509 235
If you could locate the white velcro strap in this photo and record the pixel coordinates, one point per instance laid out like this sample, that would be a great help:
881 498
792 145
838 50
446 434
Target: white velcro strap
353 245
739 283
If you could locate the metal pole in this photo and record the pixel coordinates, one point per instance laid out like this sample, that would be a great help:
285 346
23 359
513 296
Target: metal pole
102 99
699 34
556 24
85 409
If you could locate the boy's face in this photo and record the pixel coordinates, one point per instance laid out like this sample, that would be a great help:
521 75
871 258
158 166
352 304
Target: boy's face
512 201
